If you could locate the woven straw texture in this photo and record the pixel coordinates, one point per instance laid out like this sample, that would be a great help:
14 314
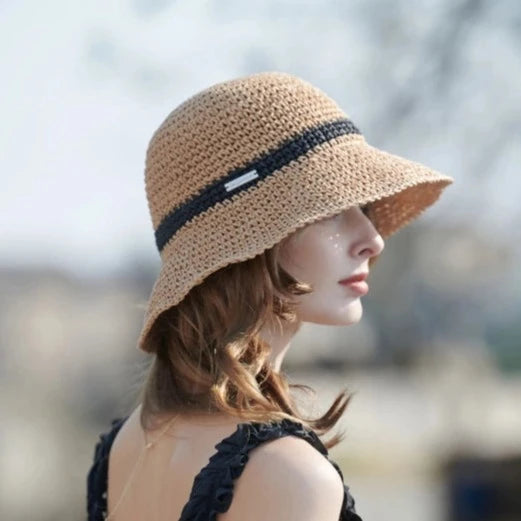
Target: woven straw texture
242 164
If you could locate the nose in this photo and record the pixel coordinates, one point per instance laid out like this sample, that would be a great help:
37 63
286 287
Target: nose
374 248
371 243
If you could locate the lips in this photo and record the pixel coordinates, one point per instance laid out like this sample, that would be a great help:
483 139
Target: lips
355 278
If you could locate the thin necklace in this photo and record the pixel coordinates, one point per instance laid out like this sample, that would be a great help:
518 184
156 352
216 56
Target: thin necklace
148 445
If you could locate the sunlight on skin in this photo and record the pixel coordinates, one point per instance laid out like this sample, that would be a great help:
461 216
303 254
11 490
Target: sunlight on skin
321 254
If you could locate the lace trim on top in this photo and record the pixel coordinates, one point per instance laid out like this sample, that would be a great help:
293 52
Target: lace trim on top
97 478
212 489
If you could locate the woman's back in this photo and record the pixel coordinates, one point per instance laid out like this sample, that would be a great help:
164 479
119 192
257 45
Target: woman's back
193 472
165 478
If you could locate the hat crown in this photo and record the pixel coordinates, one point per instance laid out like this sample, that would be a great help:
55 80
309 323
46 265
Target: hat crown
225 127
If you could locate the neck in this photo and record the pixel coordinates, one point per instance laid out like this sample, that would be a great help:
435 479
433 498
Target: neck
279 335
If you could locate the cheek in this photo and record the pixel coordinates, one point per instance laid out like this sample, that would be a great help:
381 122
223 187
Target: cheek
311 255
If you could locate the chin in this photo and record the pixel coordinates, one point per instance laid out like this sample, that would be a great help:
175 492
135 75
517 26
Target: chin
349 319
336 317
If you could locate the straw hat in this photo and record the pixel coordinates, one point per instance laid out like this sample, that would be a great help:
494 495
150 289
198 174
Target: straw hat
243 163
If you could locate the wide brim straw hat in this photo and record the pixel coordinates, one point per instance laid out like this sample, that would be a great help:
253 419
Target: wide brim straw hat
242 164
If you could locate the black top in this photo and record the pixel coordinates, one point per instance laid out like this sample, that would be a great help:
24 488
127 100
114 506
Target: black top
212 488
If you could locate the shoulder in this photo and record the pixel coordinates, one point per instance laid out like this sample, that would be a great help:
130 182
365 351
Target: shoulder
287 479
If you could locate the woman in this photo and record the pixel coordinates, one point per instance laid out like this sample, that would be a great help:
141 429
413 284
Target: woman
265 199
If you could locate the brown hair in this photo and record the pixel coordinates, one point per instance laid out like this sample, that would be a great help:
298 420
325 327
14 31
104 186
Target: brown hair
209 356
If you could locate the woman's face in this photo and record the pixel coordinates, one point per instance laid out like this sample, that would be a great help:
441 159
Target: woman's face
325 252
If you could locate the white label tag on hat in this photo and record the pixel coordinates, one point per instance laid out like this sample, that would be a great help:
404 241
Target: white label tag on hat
244 178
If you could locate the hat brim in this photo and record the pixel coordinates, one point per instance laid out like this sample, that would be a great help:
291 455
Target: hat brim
332 177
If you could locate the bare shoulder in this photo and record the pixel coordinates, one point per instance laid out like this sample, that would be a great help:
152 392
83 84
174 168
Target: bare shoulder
286 479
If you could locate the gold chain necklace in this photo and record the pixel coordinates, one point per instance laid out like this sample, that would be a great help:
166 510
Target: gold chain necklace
148 445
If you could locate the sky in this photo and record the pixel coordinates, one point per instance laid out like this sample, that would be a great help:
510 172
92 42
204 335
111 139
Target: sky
87 83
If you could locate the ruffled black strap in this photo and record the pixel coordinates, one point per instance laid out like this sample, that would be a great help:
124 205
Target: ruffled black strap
98 474
348 510
212 489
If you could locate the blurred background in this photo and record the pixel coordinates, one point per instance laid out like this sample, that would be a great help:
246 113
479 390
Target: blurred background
433 432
